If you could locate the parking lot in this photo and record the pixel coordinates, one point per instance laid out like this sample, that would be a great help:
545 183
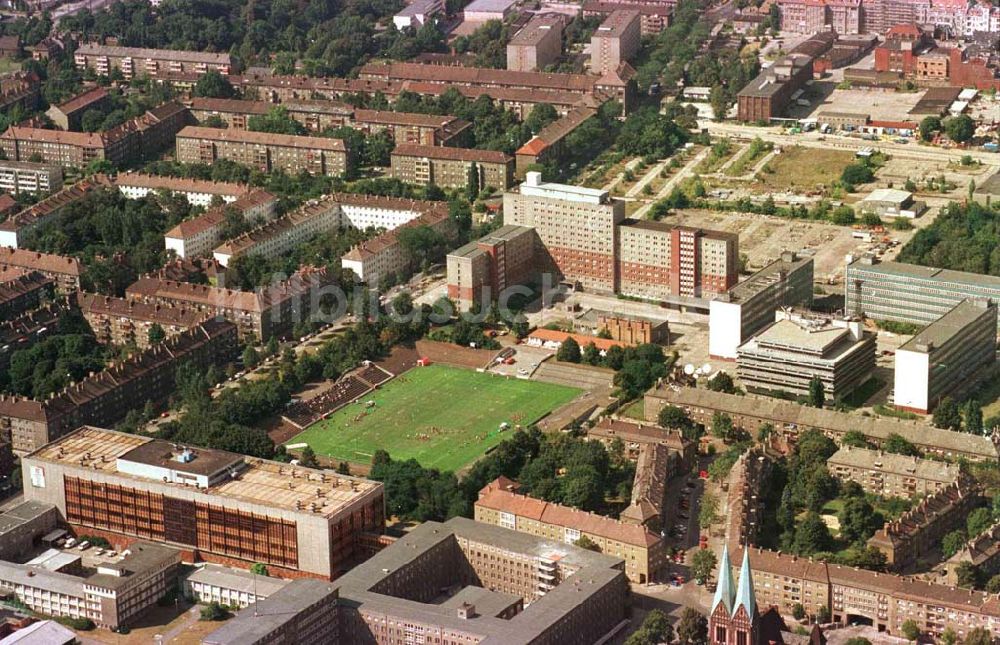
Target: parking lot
763 238
526 360
878 104
92 556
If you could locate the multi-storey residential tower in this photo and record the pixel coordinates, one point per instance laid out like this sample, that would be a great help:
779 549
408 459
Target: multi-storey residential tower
577 227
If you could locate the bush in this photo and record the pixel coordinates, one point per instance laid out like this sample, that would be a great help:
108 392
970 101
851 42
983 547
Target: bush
79 624
856 173
96 541
214 611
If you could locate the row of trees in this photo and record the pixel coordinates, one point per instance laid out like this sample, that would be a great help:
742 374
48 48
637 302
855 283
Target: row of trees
637 368
330 38
558 468
962 417
959 128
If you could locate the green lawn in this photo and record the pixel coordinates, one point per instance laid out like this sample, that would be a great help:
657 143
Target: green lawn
444 417
635 410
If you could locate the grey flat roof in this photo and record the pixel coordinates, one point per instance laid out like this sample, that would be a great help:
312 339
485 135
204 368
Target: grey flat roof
504 233
142 557
487 603
793 336
952 323
23 512
268 615
929 273
45 632
766 277
162 454
21 574
237 580
593 571
489 5
53 559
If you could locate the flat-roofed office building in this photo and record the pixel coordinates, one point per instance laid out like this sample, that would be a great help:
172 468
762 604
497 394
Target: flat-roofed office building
229 508
800 347
944 355
733 317
911 293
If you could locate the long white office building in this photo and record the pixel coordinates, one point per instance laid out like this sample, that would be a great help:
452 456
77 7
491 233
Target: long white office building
748 307
944 355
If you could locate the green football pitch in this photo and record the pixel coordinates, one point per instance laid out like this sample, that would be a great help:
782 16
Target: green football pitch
444 417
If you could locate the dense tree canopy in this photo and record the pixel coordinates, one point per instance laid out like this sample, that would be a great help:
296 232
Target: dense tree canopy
117 238
53 363
331 38
964 237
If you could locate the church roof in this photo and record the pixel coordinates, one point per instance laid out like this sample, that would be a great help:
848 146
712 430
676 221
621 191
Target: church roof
724 590
744 594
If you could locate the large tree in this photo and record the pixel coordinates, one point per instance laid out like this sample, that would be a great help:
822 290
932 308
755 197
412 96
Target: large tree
812 535
817 395
692 629
213 85
953 542
569 351
703 564
947 414
960 128
858 520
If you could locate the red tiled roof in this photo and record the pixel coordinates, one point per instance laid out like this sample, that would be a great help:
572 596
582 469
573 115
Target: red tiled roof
180 184
451 154
493 496
92 303
43 262
555 336
534 147
261 138
82 101
478 76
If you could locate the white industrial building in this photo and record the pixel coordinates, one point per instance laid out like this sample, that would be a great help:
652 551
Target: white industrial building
417 13
735 316
230 587
944 355
892 202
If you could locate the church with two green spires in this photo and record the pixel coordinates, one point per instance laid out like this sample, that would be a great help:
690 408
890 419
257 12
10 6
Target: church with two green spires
734 619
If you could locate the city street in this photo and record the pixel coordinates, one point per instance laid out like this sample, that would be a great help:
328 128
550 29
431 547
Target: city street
816 140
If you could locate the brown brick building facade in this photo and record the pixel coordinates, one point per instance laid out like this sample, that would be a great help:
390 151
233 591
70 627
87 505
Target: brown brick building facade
105 397
263 151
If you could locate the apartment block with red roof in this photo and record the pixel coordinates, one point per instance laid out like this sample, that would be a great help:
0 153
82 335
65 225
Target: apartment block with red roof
64 270
452 167
500 505
262 150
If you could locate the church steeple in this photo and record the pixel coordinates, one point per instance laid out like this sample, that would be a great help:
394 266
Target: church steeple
744 594
725 591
